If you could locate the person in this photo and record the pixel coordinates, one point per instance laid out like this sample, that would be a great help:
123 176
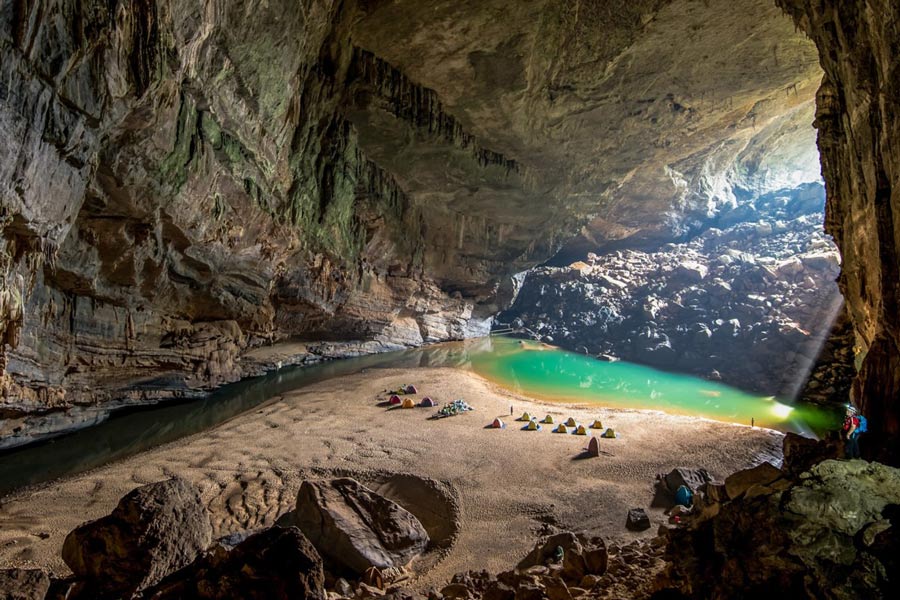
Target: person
851 433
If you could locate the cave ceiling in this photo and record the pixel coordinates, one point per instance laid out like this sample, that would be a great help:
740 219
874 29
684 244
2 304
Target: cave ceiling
627 116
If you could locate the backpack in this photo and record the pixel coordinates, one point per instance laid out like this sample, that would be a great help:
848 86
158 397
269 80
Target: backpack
863 424
684 496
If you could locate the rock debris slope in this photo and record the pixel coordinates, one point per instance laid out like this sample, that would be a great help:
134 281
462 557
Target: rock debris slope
182 182
749 300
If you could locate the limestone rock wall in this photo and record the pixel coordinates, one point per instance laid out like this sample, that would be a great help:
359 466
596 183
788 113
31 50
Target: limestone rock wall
180 186
858 121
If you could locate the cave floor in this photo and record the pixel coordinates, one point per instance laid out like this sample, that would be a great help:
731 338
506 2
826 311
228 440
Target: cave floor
508 485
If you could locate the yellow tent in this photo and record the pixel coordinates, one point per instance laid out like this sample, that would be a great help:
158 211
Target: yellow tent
571 422
408 403
548 420
580 430
609 433
596 424
532 426
525 417
561 429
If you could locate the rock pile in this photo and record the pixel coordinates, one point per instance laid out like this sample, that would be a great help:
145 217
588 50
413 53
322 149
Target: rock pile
744 300
567 566
828 532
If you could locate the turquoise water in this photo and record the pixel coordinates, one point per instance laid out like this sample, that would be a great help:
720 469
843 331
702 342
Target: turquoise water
538 370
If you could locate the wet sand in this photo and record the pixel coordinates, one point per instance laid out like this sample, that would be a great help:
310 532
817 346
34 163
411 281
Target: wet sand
501 488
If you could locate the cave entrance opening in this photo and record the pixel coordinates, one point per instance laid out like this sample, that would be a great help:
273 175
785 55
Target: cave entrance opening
740 286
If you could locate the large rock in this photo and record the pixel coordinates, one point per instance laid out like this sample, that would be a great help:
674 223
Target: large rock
23 584
637 520
683 476
155 530
760 475
356 528
830 534
276 564
801 453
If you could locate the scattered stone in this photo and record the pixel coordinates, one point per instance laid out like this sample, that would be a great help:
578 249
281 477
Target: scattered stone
545 552
373 577
556 589
356 528
343 587
456 590
637 520
155 530
23 584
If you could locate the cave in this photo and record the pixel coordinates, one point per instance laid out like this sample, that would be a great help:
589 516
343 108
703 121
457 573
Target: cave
233 233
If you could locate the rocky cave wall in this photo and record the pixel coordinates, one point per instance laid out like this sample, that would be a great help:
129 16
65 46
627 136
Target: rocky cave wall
185 182
858 124
178 186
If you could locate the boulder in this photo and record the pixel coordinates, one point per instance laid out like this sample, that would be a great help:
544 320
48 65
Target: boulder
693 479
155 530
596 558
275 564
23 584
691 271
763 474
556 589
637 520
355 528
801 453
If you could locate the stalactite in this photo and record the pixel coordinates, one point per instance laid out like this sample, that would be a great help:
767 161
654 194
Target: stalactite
421 107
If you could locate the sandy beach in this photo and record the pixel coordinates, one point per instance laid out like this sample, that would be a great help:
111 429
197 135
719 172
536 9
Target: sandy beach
488 494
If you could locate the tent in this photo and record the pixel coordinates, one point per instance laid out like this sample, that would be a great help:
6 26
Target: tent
395 399
580 430
610 433
596 424
411 389
427 402
525 417
498 424
594 447
571 422
561 429
532 426
408 403
548 420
